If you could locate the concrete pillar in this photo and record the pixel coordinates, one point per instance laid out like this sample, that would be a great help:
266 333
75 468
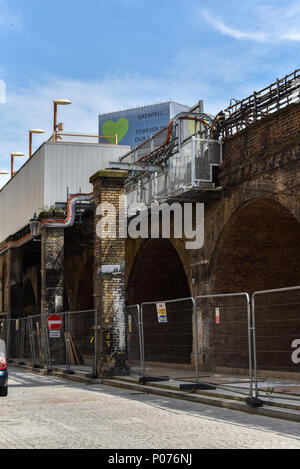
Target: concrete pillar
52 270
109 275
15 283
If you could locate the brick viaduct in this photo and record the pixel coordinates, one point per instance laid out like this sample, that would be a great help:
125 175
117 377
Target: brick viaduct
252 237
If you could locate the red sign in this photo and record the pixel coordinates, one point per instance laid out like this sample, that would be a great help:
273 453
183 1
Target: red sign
217 315
55 322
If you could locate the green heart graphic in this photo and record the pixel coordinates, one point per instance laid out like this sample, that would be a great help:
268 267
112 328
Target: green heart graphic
192 126
119 128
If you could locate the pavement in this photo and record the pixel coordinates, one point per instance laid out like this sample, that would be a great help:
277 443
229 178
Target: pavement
50 412
281 397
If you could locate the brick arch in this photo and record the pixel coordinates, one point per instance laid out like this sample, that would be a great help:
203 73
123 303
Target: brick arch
85 287
157 273
29 299
258 249
78 280
134 249
31 291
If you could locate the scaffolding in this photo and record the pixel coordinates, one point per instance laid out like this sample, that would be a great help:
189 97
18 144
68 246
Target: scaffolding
178 162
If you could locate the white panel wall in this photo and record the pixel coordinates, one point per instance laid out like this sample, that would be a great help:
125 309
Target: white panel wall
22 196
43 180
69 165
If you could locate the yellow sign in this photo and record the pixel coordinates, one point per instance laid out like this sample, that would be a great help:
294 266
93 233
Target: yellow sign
162 312
130 323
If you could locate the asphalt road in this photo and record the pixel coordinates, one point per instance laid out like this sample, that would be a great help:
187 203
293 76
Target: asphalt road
44 412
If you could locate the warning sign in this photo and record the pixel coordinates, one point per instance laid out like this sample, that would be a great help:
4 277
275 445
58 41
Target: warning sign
162 312
55 323
217 315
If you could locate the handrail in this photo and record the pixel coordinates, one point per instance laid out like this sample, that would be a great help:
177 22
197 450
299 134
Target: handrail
57 136
259 104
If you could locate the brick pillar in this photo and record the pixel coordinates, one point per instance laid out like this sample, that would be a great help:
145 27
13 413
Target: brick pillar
15 283
52 270
109 276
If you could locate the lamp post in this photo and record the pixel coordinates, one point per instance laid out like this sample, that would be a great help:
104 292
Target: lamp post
33 131
58 102
12 156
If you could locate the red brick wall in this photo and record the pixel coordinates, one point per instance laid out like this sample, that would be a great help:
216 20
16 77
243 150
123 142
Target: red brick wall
260 137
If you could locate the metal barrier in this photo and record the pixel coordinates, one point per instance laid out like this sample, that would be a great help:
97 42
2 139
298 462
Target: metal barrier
276 331
16 336
3 328
166 334
81 341
134 339
226 331
69 343
25 346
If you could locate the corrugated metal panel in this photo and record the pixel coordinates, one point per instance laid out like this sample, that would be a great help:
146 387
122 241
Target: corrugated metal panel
44 179
71 165
22 196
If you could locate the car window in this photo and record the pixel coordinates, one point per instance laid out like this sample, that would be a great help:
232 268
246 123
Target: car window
2 348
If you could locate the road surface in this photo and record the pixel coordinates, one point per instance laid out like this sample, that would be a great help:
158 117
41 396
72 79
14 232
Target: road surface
44 412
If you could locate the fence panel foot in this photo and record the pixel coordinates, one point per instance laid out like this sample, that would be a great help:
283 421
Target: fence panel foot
196 386
254 402
154 379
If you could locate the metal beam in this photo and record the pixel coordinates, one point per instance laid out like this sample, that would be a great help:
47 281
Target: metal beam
135 167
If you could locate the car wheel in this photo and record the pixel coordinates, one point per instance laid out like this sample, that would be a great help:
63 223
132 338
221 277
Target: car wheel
3 391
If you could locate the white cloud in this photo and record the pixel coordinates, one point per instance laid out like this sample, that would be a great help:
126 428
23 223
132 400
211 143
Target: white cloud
220 26
272 24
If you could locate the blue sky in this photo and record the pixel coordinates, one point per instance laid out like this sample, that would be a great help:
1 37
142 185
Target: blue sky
110 55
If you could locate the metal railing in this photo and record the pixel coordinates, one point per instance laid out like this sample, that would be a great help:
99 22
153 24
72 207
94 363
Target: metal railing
64 137
241 113
189 170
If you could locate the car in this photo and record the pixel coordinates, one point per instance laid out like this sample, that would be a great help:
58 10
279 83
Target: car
3 370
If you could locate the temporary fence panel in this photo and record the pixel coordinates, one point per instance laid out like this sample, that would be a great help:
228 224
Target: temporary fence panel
18 340
276 320
25 347
37 329
3 329
225 334
81 340
167 332
134 344
67 340
54 346
15 342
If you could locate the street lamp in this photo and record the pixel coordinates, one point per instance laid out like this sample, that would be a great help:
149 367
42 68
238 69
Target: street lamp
34 226
58 102
33 131
3 172
12 162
